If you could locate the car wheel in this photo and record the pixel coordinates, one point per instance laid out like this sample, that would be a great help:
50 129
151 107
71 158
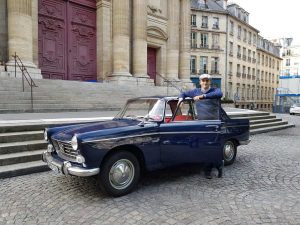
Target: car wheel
229 152
119 174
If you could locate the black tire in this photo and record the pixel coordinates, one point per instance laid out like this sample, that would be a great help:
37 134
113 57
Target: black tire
229 154
110 174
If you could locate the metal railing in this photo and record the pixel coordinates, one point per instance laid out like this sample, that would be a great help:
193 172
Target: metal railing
169 82
25 76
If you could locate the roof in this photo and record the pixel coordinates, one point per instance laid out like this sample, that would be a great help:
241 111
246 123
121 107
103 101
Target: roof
211 5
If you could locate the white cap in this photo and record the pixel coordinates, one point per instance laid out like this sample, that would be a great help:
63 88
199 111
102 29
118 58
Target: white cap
205 75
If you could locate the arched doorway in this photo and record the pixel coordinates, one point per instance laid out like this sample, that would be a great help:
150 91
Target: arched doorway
67 39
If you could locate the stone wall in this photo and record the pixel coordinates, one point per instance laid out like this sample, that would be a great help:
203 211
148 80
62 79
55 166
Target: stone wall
3 31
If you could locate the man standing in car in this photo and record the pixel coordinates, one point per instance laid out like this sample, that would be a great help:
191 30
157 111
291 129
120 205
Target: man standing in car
207 101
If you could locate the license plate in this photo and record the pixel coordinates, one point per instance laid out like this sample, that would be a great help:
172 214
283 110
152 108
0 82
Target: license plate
55 168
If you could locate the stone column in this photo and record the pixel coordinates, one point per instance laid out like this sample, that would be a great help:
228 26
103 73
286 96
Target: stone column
35 28
20 30
3 33
20 36
173 39
185 35
139 38
104 39
121 38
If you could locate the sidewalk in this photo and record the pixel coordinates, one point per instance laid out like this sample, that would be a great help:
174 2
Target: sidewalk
53 118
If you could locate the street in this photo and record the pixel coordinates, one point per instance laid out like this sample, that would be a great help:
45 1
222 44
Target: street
261 187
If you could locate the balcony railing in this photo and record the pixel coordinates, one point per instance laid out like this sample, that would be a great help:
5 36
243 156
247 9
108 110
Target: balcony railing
253 77
204 46
253 60
243 75
244 57
215 26
202 71
215 47
193 71
249 59
204 25
214 71
248 76
239 55
238 74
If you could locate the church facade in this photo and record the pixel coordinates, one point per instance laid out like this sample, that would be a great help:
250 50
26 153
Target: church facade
126 41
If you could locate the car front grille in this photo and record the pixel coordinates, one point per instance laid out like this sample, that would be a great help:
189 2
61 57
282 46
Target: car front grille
65 149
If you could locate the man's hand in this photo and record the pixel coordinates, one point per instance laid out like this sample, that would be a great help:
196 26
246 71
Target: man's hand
198 98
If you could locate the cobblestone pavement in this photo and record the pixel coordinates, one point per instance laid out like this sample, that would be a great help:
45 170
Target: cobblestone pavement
262 187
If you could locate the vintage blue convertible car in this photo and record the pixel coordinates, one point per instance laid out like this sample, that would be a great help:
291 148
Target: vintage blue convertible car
149 133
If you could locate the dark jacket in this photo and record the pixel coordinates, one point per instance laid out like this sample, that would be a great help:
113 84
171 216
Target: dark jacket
207 108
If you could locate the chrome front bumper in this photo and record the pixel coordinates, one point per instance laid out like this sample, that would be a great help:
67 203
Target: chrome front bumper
66 167
244 142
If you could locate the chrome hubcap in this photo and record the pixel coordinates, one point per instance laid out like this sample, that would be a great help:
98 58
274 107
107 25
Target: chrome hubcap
228 151
121 174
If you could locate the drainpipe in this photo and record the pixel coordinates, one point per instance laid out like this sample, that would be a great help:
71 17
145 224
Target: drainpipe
226 56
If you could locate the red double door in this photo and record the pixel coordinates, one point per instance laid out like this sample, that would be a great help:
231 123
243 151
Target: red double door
67 39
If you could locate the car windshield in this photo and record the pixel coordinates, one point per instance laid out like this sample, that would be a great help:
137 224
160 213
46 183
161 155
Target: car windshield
296 105
150 109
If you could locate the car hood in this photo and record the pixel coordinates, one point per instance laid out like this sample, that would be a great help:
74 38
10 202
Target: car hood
68 133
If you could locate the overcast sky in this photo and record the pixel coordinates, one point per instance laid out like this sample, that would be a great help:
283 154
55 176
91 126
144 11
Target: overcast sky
274 19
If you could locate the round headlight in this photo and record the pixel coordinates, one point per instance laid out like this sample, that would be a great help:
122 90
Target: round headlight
45 135
74 142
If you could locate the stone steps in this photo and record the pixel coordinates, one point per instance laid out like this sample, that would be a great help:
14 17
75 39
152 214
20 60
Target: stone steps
14 147
21 136
59 95
23 169
20 157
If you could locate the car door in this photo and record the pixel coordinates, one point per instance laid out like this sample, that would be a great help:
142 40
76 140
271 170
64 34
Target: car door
189 140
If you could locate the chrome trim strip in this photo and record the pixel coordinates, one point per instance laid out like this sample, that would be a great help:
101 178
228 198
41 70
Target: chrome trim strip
69 170
244 142
150 134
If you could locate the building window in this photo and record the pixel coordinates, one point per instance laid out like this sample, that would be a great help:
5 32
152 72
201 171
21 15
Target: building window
253 57
194 40
230 68
215 41
215 65
239 32
231 48
262 59
193 65
204 22
258 74
249 38
288 62
238 70
231 27
249 55
267 60
253 72
244 54
270 62
239 54
254 39
193 20
258 58
215 23
204 40
245 35
244 71
203 65
249 71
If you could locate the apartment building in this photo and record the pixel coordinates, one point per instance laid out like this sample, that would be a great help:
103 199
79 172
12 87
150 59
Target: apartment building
208 41
240 52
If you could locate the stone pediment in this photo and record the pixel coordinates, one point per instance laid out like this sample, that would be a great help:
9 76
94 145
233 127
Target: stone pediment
157 32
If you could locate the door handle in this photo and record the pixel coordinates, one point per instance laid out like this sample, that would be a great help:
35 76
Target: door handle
213 126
